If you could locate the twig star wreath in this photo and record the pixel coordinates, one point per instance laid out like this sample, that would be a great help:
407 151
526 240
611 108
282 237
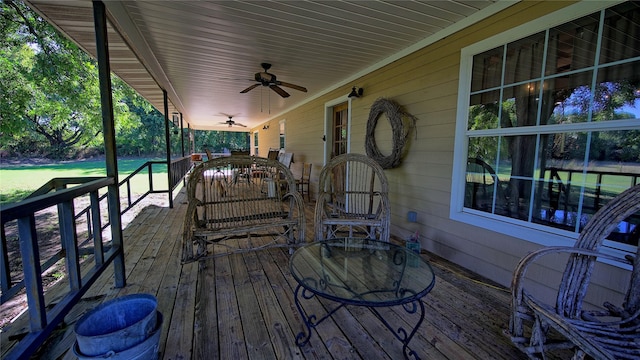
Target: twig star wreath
397 117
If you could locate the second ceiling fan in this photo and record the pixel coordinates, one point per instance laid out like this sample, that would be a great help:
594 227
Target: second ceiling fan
231 123
265 78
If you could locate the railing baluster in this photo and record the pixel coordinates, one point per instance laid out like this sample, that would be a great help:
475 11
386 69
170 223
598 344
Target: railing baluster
68 236
128 193
5 272
32 272
96 226
88 222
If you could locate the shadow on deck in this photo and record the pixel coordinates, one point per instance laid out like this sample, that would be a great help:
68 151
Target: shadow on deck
242 306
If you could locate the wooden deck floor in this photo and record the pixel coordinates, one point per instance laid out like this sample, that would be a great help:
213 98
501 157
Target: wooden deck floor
242 307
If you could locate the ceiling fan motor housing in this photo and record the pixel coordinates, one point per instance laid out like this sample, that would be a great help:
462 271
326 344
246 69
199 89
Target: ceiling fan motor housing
265 78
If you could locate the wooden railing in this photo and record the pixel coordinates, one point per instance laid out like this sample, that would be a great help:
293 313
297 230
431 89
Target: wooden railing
80 234
43 317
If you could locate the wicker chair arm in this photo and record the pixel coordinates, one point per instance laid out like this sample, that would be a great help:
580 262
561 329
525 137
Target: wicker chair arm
296 204
517 283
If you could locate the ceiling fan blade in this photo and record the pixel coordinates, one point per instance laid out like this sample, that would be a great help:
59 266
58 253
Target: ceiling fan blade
297 87
249 88
279 90
240 124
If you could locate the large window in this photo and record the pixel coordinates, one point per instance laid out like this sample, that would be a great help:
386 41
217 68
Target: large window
551 126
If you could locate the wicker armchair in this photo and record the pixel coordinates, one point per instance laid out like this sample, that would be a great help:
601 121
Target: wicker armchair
353 199
609 333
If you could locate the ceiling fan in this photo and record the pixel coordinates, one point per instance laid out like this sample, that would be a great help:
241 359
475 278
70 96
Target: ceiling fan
266 78
231 123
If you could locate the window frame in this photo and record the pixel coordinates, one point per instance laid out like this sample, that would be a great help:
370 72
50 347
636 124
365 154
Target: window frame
531 232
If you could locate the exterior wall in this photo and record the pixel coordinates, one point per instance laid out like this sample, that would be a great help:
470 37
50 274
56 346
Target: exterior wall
426 84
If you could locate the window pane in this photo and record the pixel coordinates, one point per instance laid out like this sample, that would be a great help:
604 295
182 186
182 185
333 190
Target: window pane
617 93
483 112
483 190
572 46
520 107
621 33
517 164
613 166
487 70
560 180
524 59
571 98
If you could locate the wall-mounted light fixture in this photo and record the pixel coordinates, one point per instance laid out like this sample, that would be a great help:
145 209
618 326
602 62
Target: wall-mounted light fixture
266 127
356 92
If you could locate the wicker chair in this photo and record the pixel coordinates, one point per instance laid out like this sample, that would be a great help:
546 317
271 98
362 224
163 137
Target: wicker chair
353 199
609 333
303 182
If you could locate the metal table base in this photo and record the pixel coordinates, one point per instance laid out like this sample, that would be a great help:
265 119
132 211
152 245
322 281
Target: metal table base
400 333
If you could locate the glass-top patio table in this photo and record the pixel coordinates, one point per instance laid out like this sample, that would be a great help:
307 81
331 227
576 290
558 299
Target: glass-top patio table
362 272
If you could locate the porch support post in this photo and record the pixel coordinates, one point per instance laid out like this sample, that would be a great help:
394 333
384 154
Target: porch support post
181 135
108 129
191 139
167 140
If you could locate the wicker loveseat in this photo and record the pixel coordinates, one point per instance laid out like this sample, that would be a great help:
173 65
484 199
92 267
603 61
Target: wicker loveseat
241 203
610 332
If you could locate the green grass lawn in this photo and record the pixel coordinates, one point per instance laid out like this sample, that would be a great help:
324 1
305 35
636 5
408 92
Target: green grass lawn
18 181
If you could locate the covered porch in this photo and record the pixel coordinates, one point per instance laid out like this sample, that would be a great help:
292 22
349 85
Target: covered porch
242 306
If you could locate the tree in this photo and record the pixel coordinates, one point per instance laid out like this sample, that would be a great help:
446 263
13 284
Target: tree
50 103
50 100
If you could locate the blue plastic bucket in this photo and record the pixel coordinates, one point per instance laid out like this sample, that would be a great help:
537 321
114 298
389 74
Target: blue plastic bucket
117 325
146 350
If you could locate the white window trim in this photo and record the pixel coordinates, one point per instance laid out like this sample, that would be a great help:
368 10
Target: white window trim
538 234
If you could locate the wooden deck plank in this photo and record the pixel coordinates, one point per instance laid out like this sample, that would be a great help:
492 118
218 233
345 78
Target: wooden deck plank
253 324
180 325
281 335
231 337
167 290
160 278
206 321
283 293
